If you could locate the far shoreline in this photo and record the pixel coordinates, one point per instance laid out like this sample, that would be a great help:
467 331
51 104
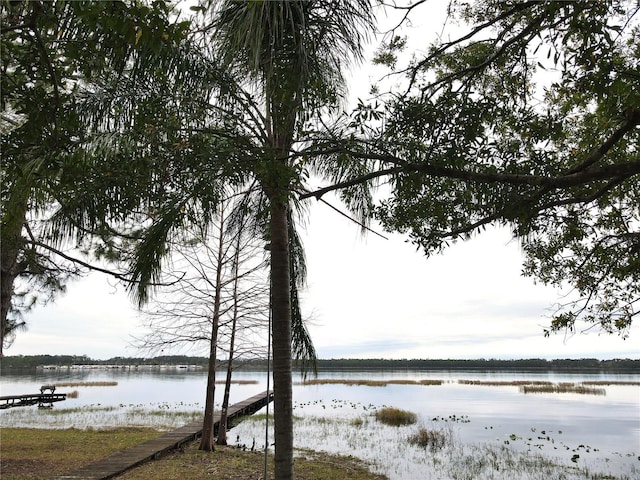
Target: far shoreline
192 363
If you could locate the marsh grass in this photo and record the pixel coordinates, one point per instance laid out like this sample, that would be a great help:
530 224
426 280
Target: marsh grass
160 416
369 383
388 452
78 410
508 383
525 386
426 382
350 383
429 439
395 416
238 382
563 388
261 417
544 386
73 394
86 384
611 382
187 416
357 422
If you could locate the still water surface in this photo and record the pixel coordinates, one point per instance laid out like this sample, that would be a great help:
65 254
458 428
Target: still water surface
602 429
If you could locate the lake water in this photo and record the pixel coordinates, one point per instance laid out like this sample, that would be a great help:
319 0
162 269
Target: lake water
603 430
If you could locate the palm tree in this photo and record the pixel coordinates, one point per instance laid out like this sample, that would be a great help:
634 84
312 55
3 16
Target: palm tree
292 53
50 50
182 134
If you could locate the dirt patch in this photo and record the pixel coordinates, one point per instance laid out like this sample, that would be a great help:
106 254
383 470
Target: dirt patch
19 467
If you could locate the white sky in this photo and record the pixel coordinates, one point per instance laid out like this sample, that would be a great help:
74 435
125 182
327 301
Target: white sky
368 297
381 298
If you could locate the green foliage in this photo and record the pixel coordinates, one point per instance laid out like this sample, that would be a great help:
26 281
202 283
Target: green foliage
387 52
51 51
155 122
294 50
531 122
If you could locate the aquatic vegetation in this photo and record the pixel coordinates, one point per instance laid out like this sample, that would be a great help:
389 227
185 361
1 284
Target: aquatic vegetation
85 384
351 383
544 386
496 442
395 416
73 394
369 383
260 417
428 381
238 382
611 382
430 439
158 416
342 425
563 388
80 410
504 383
357 422
388 451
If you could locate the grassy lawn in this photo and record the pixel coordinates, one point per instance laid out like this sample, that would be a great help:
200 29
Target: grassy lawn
27 454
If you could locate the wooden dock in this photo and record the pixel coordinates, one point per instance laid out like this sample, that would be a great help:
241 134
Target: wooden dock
41 399
131 457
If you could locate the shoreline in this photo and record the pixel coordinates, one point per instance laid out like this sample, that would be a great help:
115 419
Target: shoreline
590 365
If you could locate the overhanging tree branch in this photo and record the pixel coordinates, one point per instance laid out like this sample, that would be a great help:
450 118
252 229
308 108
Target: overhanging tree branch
581 174
482 27
94 268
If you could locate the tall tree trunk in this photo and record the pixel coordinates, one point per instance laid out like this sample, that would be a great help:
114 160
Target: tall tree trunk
281 324
13 219
207 440
8 261
222 428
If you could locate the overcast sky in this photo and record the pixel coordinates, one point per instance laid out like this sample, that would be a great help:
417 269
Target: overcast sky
367 297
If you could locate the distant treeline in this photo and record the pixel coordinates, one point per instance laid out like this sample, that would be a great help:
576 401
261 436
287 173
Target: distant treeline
626 365
591 364
33 361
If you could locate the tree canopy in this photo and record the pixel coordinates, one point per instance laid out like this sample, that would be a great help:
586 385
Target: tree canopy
527 118
51 51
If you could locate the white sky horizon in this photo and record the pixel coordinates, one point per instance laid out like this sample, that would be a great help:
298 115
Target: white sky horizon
367 297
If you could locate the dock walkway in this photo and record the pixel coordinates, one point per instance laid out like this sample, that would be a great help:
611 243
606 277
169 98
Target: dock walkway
131 457
41 399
